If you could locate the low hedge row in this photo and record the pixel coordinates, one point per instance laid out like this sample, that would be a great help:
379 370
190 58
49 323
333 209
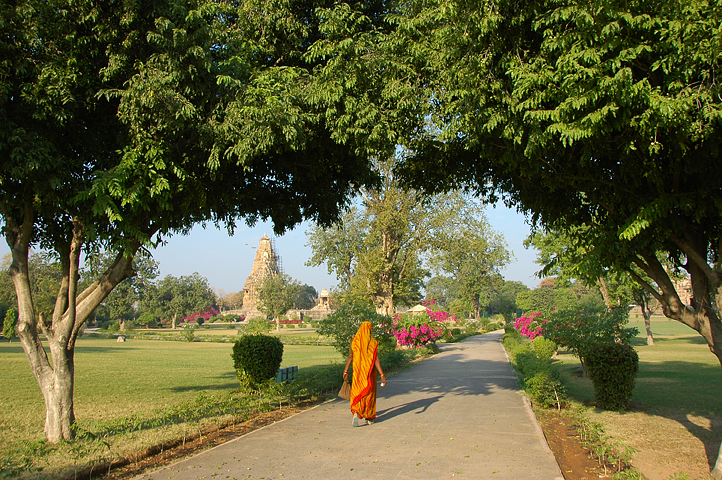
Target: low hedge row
542 383
612 367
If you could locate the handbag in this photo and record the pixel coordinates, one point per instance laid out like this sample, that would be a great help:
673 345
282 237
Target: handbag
345 391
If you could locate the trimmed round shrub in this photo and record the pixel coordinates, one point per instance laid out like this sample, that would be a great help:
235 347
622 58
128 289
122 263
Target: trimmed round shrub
257 358
545 348
612 368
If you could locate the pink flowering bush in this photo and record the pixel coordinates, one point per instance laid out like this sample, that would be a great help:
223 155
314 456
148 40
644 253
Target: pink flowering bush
530 325
211 312
420 330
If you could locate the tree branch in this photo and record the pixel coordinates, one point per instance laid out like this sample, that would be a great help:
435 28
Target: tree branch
700 260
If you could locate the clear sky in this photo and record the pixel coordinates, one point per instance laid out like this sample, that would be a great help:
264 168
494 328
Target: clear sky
226 261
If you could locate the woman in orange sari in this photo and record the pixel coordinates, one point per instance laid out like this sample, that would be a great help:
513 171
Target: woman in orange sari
364 356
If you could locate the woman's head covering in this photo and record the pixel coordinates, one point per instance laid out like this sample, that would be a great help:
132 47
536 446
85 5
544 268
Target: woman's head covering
365 349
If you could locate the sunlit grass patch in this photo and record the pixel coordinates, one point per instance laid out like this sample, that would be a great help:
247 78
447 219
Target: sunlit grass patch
675 418
134 394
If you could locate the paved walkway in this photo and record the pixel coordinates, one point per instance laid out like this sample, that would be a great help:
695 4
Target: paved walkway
457 414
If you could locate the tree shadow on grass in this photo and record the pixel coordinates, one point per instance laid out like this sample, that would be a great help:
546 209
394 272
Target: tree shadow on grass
12 348
659 339
675 390
201 388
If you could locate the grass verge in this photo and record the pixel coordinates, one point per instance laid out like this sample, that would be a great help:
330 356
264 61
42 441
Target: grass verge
139 397
673 428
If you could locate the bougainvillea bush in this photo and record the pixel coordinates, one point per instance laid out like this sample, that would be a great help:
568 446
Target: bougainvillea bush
412 330
211 312
578 330
530 324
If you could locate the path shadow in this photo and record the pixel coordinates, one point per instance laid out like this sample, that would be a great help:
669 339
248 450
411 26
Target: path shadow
455 372
420 405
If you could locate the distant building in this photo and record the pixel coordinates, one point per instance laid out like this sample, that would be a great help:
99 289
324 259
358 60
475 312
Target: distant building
266 264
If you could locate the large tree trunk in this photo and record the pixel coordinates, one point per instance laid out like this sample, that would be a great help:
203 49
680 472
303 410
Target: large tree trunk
700 316
57 388
56 379
647 314
477 309
385 295
605 293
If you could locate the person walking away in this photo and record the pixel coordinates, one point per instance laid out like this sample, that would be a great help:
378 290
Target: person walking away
364 356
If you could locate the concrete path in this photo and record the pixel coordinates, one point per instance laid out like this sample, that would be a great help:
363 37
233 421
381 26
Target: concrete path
457 414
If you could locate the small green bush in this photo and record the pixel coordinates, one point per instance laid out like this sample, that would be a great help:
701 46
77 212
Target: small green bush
10 323
545 388
612 368
542 382
528 361
545 348
257 358
255 326
189 333
456 331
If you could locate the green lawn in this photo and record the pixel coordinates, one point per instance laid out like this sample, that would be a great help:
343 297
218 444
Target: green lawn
115 380
675 417
678 373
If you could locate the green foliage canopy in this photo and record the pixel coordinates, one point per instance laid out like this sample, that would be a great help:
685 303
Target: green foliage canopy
121 125
603 115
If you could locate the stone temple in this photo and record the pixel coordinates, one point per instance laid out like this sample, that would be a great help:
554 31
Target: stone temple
265 265
268 264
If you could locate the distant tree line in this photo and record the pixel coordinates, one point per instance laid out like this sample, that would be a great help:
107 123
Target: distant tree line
141 299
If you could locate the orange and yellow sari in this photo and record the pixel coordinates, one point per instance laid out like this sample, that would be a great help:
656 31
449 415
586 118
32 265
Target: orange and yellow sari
363 385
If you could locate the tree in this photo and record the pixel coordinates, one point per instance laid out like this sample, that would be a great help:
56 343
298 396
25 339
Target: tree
443 289
377 250
306 297
504 300
229 301
277 296
176 297
559 255
121 303
584 115
9 323
339 245
473 254
122 126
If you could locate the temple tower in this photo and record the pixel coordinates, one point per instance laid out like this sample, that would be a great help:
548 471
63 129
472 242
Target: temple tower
266 264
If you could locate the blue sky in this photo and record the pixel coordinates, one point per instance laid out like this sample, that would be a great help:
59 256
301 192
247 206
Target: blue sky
226 261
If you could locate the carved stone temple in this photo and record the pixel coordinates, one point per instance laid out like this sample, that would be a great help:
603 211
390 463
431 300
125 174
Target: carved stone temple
268 264
265 265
